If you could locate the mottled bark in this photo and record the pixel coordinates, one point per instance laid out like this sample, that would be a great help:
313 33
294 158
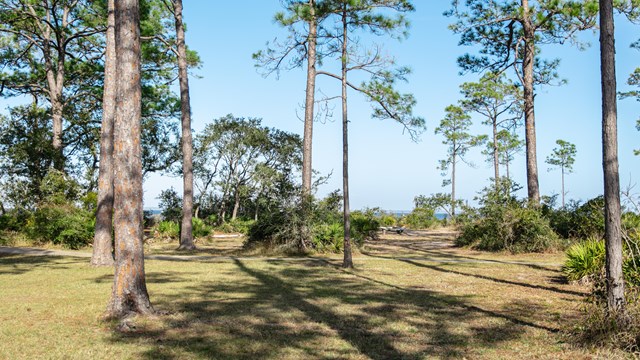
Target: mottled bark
307 146
102 241
533 187
186 232
348 260
129 293
615 281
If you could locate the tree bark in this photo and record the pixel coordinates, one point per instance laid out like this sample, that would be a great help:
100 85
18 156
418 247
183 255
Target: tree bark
563 192
615 281
533 187
453 184
348 259
236 205
307 148
186 232
102 241
496 160
129 293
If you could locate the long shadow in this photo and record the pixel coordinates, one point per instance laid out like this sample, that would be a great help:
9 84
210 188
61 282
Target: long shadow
278 309
11 264
350 328
434 252
489 278
469 307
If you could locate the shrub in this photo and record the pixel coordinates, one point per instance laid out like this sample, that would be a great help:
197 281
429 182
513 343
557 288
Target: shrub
579 221
200 229
328 237
503 223
62 224
288 229
584 259
364 225
167 230
235 226
420 218
15 220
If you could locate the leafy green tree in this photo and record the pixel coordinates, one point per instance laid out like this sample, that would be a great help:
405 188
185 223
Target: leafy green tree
455 130
26 154
52 51
563 157
372 16
435 202
508 33
499 101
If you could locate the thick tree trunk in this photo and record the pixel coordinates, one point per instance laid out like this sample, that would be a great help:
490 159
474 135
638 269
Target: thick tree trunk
307 148
529 115
348 259
186 230
615 281
102 241
129 293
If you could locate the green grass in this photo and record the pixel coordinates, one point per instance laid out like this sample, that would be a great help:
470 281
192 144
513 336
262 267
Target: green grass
430 303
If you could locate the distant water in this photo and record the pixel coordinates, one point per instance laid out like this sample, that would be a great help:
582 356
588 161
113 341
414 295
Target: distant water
401 213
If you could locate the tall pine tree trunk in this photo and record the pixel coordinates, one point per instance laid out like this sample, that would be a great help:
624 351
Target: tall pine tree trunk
307 148
533 187
348 260
186 232
615 281
496 160
102 241
129 293
453 184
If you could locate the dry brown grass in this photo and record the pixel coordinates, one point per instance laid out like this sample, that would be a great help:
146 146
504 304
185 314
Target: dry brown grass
410 297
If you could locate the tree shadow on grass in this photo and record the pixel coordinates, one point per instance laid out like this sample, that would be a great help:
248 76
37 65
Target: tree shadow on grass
489 278
20 264
291 311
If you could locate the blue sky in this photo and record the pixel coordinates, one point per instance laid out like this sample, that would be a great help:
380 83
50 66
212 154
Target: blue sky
387 169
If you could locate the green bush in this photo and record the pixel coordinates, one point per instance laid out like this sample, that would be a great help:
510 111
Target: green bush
62 224
420 218
328 237
200 229
504 223
578 221
584 259
289 229
167 229
364 225
235 226
15 220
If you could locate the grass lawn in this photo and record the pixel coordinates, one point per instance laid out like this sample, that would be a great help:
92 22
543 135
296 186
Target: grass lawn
409 298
